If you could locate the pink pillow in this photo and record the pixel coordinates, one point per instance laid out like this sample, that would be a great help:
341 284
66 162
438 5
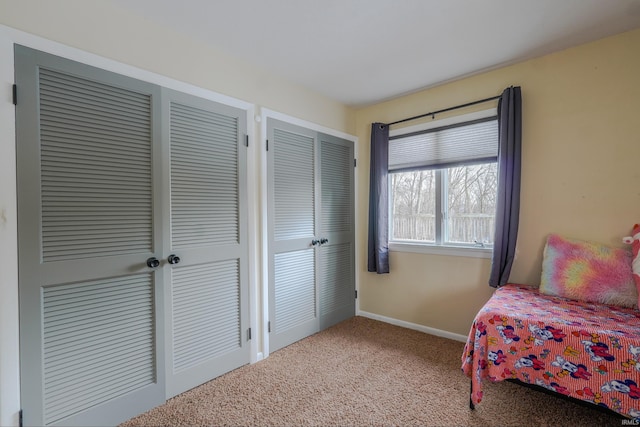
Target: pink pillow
587 271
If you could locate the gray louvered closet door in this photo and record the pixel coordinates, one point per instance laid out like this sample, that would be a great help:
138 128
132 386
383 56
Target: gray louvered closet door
310 226
292 219
91 342
336 269
209 286
132 242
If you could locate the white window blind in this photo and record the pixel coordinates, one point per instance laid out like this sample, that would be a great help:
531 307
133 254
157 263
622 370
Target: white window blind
455 145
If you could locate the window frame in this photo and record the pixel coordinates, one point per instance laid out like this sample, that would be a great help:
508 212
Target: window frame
438 247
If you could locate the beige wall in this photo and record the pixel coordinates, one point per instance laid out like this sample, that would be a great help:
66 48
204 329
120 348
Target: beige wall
580 174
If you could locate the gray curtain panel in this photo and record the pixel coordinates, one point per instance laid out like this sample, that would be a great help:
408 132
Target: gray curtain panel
508 205
378 259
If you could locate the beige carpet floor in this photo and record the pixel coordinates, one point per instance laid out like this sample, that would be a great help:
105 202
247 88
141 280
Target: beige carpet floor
362 372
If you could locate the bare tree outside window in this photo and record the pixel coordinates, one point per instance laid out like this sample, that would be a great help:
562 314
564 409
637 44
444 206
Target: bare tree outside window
469 204
414 202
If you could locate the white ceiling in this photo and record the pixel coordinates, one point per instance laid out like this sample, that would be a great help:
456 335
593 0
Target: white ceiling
360 52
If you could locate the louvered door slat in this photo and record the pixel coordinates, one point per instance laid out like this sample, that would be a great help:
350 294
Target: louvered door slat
59 116
81 229
133 385
72 157
102 371
66 83
204 177
222 172
197 302
95 115
295 291
99 320
105 341
200 141
293 190
337 199
61 169
336 282
206 312
65 140
126 309
197 127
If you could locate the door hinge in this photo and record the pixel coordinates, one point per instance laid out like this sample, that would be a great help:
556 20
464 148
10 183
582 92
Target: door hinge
355 163
269 327
20 417
15 94
267 145
249 334
356 294
246 140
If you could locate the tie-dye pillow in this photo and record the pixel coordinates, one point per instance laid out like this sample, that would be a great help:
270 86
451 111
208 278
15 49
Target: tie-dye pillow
587 271
634 241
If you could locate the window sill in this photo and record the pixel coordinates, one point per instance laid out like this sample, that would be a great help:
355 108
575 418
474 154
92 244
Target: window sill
423 248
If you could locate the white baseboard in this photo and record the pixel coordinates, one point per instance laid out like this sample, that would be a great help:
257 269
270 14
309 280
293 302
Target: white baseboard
414 326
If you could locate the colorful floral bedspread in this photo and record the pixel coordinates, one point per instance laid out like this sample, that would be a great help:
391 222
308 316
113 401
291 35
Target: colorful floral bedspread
587 351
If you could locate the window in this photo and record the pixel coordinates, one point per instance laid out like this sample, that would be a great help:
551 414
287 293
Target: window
443 182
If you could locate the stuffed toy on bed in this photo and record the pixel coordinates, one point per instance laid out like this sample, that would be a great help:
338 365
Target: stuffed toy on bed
634 241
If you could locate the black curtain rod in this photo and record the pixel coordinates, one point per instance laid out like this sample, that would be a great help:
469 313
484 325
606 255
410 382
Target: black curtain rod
445 110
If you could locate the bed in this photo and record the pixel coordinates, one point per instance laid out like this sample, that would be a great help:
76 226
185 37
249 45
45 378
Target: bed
583 350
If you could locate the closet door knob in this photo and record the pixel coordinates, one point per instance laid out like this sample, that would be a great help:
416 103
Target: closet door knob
315 242
323 241
173 259
153 262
